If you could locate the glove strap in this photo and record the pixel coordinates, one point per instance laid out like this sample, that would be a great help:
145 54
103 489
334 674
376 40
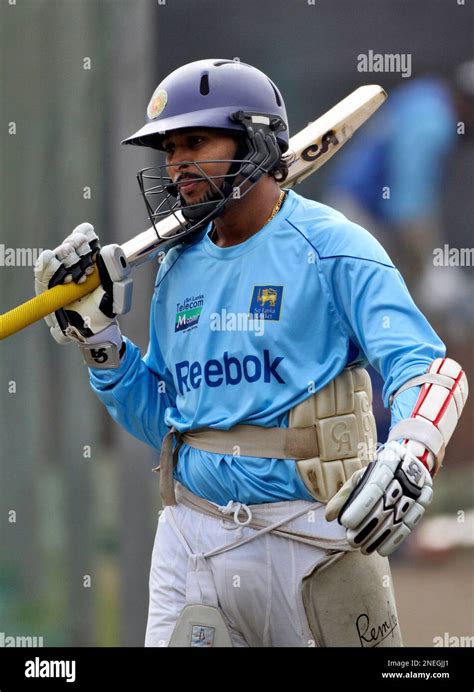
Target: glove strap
103 350
104 355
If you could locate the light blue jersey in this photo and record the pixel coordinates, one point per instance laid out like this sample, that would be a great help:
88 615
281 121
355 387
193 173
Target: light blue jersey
323 294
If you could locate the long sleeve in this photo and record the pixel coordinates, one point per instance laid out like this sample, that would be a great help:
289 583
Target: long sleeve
379 315
138 392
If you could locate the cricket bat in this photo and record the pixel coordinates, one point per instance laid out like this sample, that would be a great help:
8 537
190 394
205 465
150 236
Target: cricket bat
309 149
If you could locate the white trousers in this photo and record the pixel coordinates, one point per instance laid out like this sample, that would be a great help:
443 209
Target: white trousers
257 585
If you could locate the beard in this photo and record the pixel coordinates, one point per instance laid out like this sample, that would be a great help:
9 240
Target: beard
198 209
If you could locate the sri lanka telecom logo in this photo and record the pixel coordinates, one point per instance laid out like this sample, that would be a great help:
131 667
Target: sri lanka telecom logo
266 302
188 312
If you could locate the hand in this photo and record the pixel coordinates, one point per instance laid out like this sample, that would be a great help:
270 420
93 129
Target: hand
381 504
91 320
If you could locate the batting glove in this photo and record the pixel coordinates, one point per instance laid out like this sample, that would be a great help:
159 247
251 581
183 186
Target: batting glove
381 504
91 320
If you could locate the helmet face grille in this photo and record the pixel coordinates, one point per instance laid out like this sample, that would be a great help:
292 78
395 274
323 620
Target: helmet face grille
162 195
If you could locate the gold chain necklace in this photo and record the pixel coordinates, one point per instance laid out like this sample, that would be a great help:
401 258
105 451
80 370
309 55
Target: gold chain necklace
275 211
277 206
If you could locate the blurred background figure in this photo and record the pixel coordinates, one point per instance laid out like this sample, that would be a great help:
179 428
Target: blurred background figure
390 179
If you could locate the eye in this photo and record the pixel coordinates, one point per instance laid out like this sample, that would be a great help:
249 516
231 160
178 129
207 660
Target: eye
168 148
195 140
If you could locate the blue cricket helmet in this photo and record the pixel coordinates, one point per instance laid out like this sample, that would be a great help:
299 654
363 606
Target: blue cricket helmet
211 93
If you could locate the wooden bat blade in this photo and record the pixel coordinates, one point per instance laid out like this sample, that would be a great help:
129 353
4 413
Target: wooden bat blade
313 146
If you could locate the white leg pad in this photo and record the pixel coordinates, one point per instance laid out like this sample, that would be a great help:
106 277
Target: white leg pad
200 625
349 601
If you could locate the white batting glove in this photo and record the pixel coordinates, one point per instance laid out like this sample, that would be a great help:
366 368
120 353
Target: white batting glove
381 504
91 320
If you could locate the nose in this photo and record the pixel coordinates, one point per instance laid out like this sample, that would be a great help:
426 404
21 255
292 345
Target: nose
178 161
181 152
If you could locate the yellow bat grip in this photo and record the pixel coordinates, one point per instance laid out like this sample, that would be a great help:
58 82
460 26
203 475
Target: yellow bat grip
49 301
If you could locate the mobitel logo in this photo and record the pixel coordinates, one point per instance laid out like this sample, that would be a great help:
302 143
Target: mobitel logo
188 312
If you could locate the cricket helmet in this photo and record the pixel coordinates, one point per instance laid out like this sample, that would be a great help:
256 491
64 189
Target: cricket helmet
217 94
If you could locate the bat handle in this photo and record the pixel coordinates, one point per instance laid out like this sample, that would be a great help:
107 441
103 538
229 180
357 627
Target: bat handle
35 309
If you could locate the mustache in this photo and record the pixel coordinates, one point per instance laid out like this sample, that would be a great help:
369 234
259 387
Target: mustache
173 188
187 176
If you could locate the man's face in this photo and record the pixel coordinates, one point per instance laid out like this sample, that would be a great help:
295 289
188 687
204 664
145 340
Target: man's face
182 147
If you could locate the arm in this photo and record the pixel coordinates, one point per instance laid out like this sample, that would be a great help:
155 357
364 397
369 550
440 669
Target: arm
138 392
380 505
135 391
376 311
398 341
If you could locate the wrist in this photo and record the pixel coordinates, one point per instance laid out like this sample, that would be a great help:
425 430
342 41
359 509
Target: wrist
105 349
422 453
111 334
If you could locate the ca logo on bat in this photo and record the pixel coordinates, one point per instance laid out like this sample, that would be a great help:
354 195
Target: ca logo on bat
313 152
